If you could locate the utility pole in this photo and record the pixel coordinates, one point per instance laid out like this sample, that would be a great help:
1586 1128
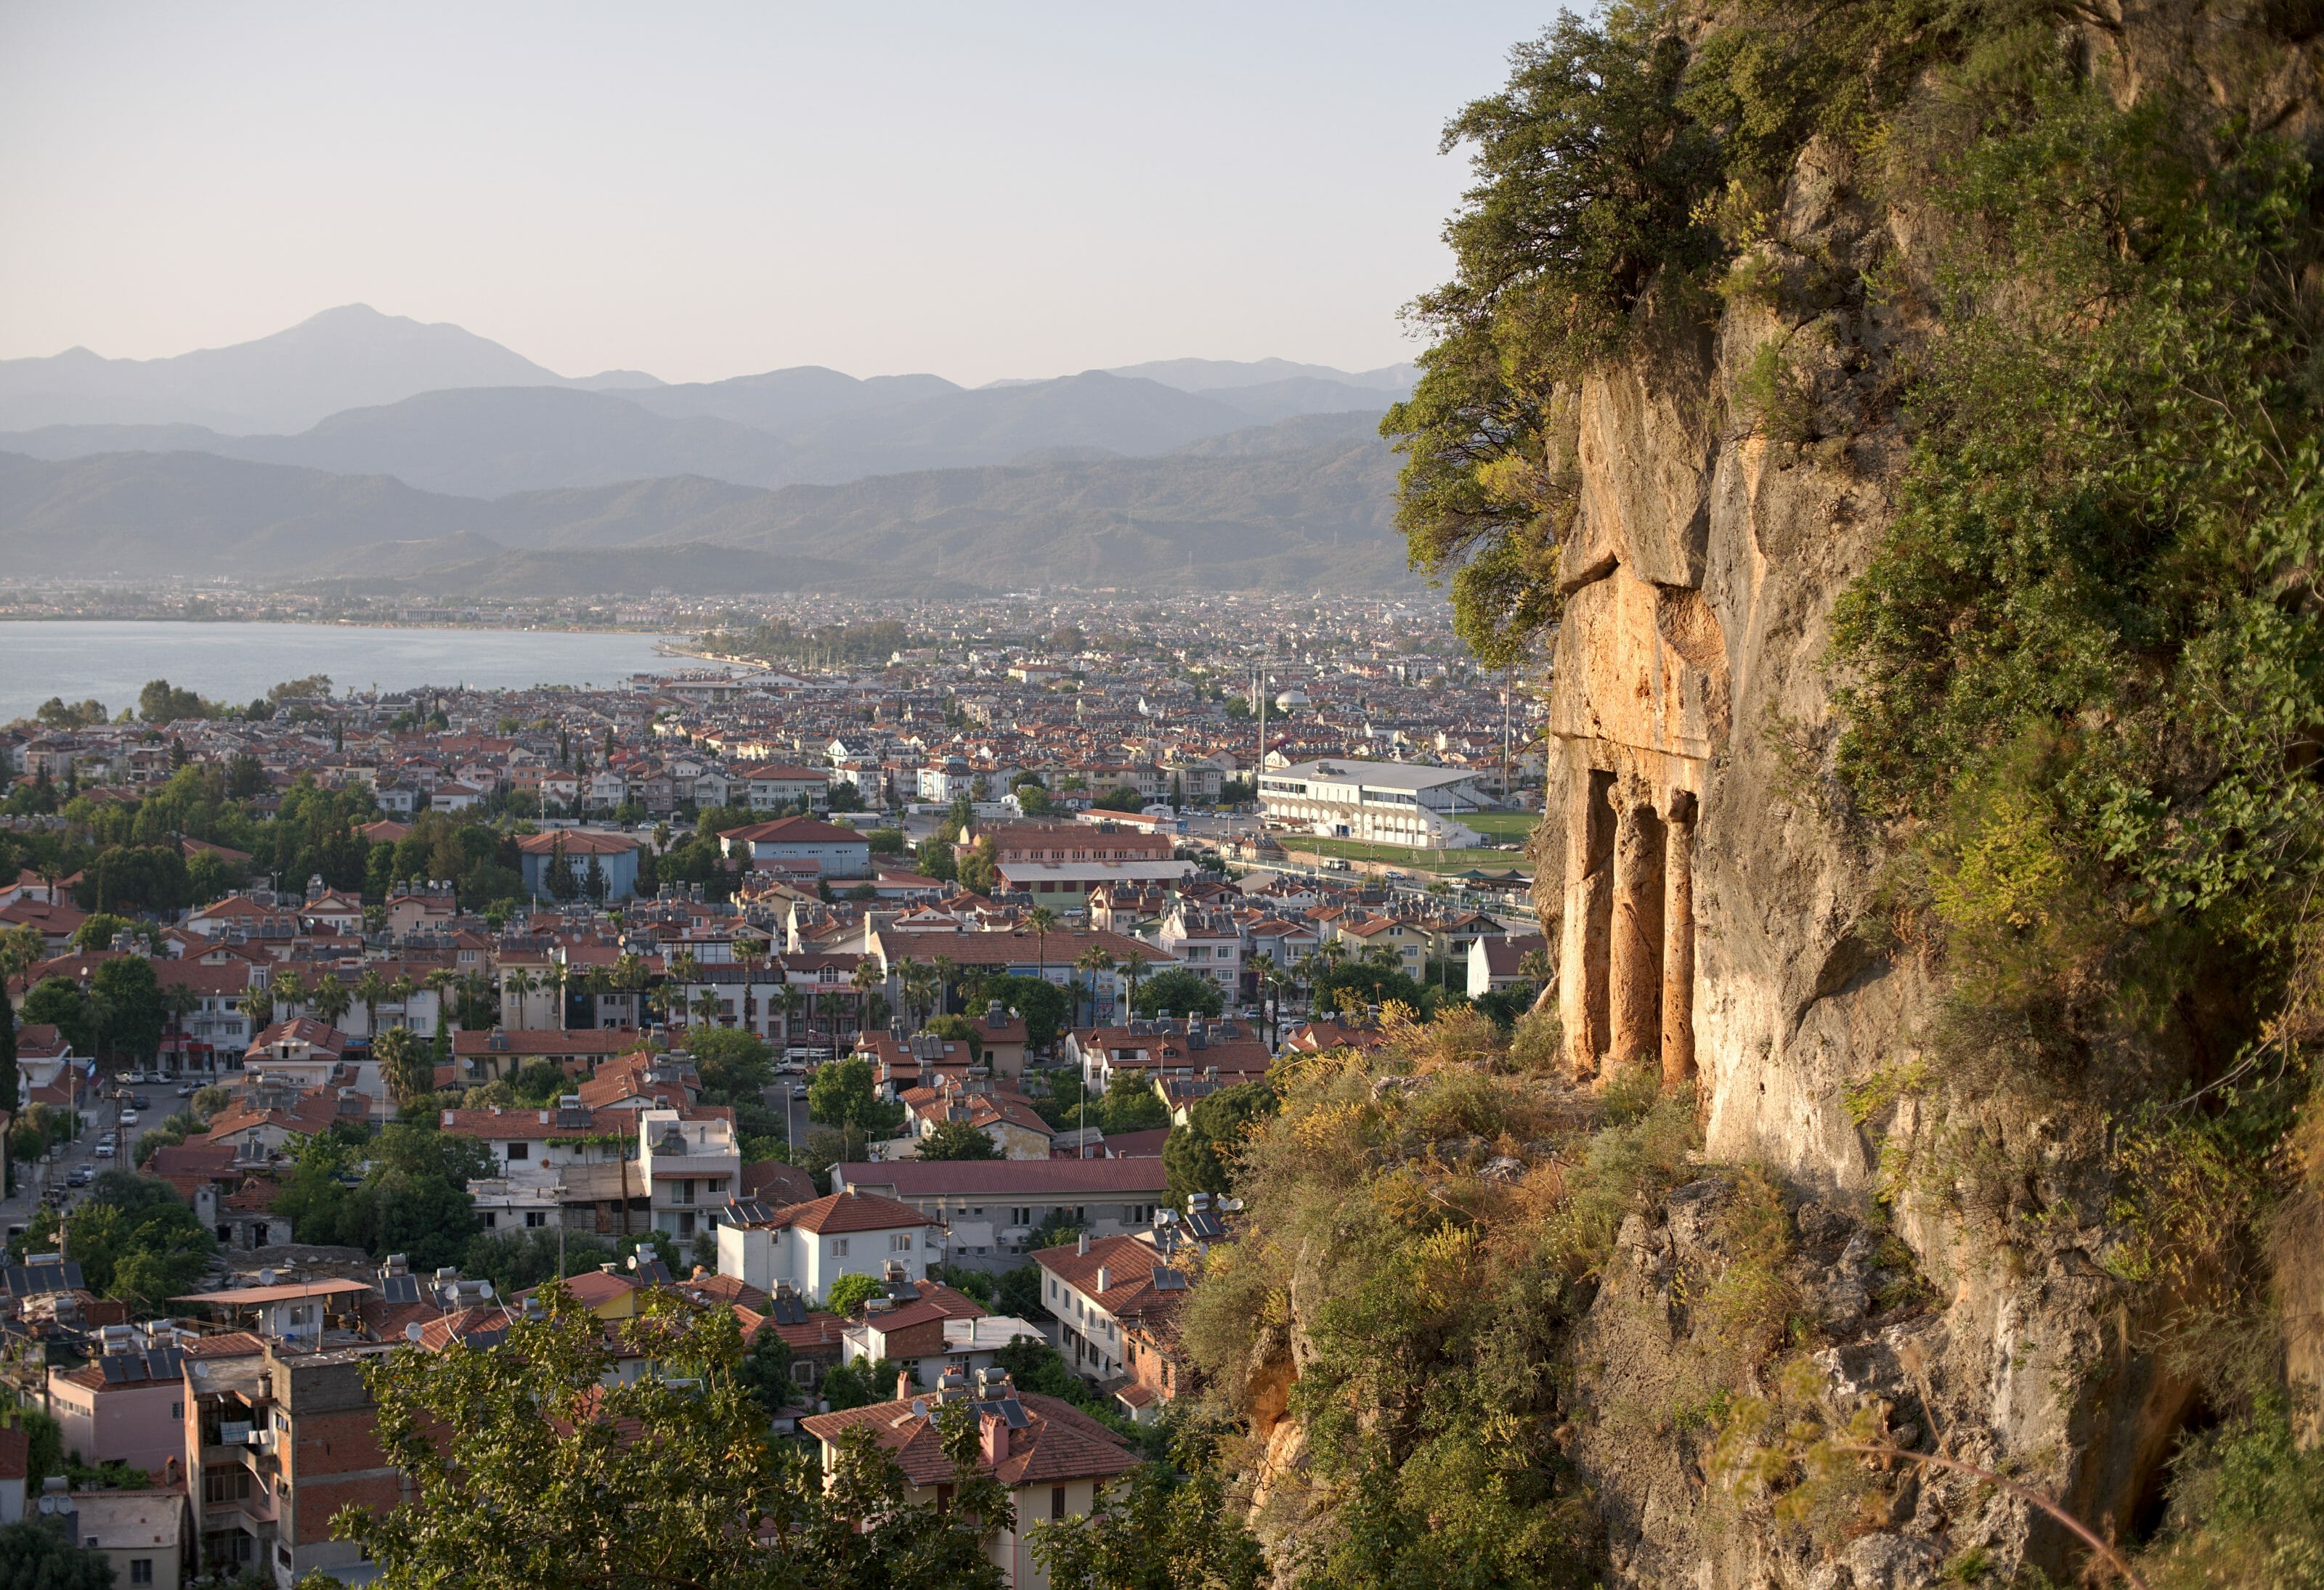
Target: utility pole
1505 735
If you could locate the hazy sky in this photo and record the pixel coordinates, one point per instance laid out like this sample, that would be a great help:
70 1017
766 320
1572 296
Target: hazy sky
702 190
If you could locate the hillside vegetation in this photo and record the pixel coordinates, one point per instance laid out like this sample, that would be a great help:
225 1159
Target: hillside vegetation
2046 277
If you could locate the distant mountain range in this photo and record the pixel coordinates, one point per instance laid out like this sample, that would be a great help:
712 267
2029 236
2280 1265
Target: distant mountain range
363 446
1304 504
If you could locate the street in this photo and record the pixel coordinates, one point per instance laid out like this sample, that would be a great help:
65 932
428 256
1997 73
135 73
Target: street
32 1179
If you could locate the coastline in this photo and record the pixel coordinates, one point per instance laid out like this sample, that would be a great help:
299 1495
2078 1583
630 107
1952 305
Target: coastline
67 618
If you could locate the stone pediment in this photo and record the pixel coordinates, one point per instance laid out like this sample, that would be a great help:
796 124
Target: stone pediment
1641 666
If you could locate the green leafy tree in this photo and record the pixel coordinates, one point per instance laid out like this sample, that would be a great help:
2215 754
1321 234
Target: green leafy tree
1158 1527
1178 992
131 1007
845 1295
958 1140
765 1372
7 1048
735 1063
841 1095
1199 1157
137 1240
57 1002
35 1554
1045 1006
1590 179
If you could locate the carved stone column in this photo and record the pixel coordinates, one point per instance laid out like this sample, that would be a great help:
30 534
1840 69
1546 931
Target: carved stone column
1634 961
1589 908
1678 943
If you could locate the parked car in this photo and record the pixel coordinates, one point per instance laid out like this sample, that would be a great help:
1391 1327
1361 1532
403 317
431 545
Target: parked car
128 1117
82 1175
188 1091
104 1151
142 1102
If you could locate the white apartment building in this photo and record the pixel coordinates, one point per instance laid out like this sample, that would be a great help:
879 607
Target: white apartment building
692 1166
1378 803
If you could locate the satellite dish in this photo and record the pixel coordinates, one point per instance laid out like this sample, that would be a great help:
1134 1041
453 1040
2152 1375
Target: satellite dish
413 1333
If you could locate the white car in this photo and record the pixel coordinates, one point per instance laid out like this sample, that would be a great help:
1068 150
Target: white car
128 1117
104 1151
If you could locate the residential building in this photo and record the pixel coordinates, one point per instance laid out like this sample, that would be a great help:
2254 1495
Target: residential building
691 1163
614 854
1099 1288
141 1534
850 1232
1497 964
1052 1457
992 1208
125 1405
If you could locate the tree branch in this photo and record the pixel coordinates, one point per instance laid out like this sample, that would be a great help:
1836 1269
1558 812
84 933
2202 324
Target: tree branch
2114 1559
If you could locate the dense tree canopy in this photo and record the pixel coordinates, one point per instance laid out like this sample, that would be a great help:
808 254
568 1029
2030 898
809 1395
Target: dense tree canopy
531 1466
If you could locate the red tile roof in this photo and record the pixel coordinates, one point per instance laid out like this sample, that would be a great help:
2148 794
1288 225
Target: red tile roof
1059 1442
842 1212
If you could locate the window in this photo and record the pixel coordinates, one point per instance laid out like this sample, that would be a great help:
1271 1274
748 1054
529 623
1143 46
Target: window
1056 1502
803 1372
534 1218
901 1243
519 1151
229 1483
491 1220
141 1570
839 1247
177 1410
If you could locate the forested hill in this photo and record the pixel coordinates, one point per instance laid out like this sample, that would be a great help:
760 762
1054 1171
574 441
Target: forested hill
1304 504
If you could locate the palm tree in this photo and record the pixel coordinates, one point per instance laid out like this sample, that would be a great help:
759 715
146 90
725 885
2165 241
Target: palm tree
630 975
330 1000
257 1003
1096 961
180 1001
440 983
519 980
21 948
1133 971
400 993
948 976
372 989
867 977
409 1070
919 979
559 979
1310 969
685 967
1266 974
1041 920
1534 966
290 993
786 1002
706 1007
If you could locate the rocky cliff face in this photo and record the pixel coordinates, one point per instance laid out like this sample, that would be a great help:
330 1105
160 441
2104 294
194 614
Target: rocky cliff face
1690 711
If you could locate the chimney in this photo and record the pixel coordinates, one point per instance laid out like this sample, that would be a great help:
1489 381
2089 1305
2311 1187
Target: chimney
1083 1250
1104 1279
903 1384
993 1433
